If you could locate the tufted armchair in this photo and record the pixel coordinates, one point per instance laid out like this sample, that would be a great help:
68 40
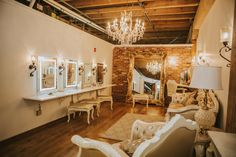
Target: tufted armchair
181 105
157 140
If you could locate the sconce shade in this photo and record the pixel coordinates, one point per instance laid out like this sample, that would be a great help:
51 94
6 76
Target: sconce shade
225 34
206 77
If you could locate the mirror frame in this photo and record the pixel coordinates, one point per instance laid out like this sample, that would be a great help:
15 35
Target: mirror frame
97 73
160 60
40 60
76 72
83 77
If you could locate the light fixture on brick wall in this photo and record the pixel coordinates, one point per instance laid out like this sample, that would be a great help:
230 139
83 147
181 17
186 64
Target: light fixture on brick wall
172 61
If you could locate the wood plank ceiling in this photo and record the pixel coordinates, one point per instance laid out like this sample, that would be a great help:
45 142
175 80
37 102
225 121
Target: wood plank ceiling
166 21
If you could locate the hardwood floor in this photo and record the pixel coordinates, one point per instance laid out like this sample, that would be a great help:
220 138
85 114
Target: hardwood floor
53 139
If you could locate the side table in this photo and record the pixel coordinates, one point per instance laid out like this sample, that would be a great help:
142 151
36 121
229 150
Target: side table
202 142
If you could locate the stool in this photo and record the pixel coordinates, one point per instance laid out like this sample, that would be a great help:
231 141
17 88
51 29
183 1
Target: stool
140 97
96 104
106 98
81 108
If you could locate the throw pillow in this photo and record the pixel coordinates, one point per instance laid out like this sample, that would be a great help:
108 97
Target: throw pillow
191 101
179 98
129 146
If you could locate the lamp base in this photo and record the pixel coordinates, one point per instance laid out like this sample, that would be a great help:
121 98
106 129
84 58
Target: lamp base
205 119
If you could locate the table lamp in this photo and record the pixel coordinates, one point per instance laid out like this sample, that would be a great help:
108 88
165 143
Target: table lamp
206 78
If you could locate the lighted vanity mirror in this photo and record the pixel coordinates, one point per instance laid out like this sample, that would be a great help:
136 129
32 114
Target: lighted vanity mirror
87 77
100 73
71 73
47 73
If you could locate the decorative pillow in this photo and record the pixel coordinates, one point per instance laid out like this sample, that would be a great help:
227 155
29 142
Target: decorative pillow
191 101
179 98
175 105
129 146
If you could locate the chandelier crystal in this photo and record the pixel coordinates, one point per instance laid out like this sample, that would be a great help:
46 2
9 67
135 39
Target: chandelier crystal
153 67
123 30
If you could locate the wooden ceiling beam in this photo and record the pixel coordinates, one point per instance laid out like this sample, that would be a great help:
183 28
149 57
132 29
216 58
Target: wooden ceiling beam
159 35
167 37
87 4
167 29
168 22
148 7
172 11
153 19
159 41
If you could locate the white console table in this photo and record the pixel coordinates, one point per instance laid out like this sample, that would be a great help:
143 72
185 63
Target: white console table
66 93
224 144
56 95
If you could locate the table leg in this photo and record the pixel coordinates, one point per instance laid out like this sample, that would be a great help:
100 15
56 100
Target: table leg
133 102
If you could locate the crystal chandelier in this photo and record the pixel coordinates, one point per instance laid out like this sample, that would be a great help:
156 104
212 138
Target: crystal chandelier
153 67
123 30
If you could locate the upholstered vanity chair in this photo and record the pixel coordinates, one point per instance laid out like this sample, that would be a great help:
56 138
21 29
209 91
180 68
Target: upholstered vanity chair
104 98
171 139
83 106
187 104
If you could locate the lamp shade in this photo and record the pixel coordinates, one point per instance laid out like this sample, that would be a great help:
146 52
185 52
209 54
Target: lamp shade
206 77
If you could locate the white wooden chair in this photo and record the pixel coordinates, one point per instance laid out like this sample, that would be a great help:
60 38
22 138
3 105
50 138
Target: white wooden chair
104 98
174 138
137 97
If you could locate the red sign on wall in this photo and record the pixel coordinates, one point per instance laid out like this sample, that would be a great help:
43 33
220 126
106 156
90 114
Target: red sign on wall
94 50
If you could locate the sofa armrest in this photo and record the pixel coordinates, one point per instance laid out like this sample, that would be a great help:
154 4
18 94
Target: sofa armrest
144 130
186 111
89 147
183 109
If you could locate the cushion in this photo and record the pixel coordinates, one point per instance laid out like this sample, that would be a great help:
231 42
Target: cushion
176 105
129 146
179 98
191 101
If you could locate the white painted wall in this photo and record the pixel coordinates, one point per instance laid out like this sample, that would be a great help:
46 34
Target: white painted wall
221 15
24 32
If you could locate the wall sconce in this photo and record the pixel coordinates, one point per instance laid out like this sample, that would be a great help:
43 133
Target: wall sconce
104 70
94 68
202 59
225 37
61 68
172 61
81 68
33 66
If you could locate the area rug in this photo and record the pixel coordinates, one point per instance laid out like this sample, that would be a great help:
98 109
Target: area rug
121 130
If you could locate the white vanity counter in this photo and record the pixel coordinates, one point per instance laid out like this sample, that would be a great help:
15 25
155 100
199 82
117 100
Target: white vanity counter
69 92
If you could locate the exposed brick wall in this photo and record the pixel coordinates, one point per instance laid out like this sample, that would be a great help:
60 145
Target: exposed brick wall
121 64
